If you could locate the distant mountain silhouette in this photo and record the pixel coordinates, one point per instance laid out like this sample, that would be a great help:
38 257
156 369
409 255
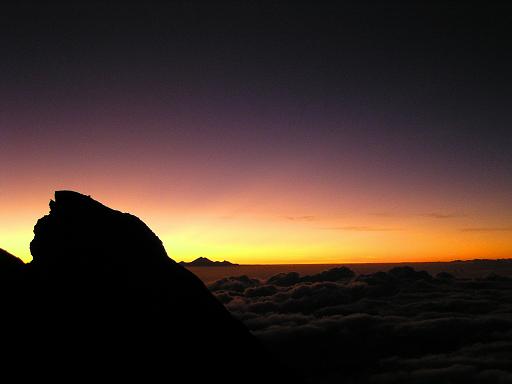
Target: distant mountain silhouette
9 264
10 270
101 300
205 262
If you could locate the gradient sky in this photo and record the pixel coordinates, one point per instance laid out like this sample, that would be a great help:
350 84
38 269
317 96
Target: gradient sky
265 132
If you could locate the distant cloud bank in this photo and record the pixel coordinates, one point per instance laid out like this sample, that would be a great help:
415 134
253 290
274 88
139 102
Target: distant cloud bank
403 326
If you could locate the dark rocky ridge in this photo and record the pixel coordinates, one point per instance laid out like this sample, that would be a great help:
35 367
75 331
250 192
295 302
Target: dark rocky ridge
102 300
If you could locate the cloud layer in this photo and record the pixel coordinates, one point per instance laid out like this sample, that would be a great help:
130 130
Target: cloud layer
403 326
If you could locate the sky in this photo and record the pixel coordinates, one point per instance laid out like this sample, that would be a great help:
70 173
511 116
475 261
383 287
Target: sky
265 132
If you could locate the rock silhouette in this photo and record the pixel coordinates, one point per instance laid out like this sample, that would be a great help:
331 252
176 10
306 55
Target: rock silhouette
10 265
102 300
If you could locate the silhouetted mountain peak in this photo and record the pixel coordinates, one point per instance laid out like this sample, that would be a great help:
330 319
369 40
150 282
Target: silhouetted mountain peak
9 264
81 231
205 262
103 293
7 259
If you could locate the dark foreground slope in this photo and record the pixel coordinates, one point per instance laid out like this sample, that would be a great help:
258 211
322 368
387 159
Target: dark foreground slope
102 300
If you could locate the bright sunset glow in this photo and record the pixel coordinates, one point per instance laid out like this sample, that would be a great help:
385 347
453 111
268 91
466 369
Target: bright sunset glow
305 144
249 228
327 184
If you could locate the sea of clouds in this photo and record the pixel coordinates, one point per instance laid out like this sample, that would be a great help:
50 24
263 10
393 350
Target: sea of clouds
400 326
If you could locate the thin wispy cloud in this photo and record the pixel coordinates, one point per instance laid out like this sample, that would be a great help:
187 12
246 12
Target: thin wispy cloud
441 215
386 214
487 229
361 228
300 218
433 215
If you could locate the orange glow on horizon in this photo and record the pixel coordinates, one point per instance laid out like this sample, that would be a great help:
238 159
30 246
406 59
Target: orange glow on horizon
246 230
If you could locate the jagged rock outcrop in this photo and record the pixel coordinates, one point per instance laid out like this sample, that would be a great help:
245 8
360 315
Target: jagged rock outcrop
101 300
